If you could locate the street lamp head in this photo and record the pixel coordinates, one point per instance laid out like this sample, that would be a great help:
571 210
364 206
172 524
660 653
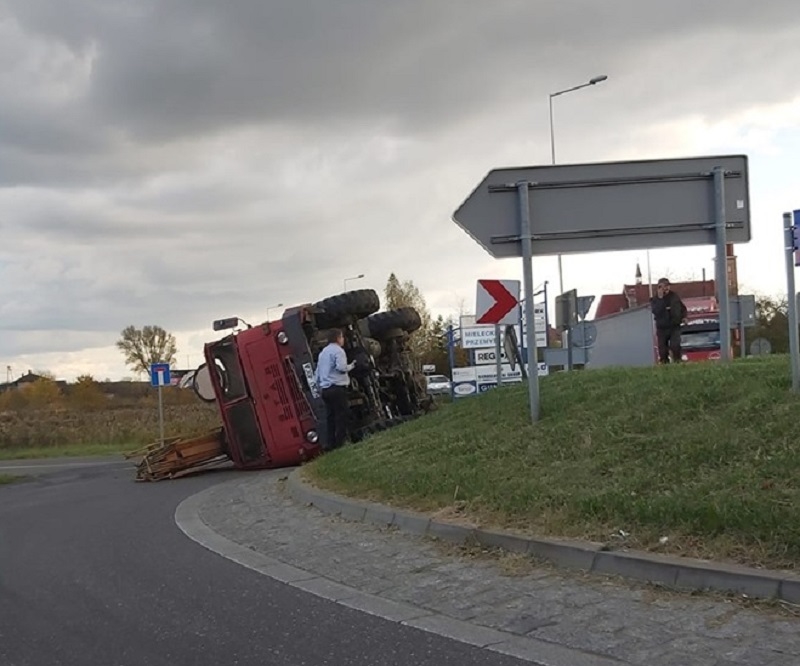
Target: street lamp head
355 277
598 79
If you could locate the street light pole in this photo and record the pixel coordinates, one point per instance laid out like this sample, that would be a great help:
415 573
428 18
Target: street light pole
552 136
590 82
355 277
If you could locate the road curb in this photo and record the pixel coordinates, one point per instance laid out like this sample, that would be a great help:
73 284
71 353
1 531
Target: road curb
675 572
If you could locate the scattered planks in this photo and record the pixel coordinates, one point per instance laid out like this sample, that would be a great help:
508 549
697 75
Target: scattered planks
179 456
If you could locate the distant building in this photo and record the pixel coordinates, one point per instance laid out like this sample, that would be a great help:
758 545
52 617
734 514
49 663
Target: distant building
624 323
637 295
24 380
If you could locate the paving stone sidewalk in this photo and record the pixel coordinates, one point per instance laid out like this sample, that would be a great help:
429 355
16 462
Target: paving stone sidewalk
633 625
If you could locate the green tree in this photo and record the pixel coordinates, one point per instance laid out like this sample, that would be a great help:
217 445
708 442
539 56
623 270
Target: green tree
772 323
437 353
406 294
145 346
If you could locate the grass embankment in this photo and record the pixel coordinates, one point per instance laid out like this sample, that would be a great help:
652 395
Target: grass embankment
706 455
46 433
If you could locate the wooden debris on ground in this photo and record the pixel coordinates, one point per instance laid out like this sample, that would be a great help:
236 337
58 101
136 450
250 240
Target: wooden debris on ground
181 456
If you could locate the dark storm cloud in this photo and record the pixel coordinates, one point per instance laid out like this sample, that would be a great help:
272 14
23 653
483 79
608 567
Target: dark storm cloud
174 161
167 69
200 65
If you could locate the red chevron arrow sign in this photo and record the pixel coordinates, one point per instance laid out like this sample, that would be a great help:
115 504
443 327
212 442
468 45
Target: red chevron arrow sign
497 302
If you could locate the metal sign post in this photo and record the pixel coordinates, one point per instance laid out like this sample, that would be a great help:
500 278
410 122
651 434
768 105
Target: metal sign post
610 206
794 343
722 264
566 318
527 279
160 376
160 415
546 317
742 345
498 353
742 310
451 343
568 341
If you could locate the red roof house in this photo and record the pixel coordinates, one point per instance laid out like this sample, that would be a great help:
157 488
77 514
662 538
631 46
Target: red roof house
635 295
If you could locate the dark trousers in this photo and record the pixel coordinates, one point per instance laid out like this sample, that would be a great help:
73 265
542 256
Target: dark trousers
669 340
337 411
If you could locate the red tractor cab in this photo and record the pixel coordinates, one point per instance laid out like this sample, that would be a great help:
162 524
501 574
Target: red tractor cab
264 386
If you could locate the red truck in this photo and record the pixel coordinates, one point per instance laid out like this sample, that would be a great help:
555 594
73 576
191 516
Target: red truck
263 378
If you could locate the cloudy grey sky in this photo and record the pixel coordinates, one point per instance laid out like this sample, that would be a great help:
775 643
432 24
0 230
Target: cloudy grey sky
176 161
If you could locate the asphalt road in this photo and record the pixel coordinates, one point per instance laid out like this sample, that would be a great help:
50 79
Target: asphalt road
94 571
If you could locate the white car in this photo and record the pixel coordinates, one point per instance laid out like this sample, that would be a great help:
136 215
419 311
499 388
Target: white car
438 384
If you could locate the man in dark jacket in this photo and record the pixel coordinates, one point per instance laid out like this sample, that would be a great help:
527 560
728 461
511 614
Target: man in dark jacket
669 313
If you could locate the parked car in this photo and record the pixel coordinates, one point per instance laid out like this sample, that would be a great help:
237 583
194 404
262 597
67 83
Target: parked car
438 384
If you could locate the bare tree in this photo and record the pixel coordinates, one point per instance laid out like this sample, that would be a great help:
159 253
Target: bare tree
458 305
145 346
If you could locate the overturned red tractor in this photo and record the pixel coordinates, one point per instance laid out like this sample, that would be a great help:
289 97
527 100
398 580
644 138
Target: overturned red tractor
263 378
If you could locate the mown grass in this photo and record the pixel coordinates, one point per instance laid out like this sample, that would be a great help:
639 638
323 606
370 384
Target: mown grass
706 455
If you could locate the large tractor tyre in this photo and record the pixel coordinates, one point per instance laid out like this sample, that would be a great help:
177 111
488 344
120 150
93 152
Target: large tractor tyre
406 319
341 310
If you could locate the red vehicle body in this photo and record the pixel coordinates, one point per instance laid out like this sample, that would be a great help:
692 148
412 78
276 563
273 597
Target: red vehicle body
700 335
264 386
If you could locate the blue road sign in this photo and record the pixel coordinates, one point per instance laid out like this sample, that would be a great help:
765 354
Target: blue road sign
159 374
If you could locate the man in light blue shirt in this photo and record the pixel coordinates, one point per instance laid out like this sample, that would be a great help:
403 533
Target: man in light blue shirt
333 379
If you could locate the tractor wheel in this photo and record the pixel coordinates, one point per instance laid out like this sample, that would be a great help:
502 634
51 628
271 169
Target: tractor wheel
406 319
341 310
